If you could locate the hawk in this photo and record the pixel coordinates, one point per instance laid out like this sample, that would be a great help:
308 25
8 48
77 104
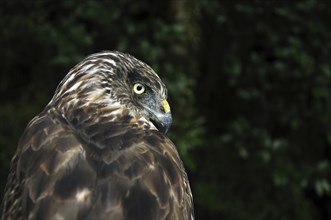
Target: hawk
99 150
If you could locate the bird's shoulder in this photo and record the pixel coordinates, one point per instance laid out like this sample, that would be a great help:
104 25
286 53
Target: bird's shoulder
46 150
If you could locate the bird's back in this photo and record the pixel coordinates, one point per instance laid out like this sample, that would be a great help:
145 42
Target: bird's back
99 171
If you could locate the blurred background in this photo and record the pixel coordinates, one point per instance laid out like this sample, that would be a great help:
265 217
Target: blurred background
249 86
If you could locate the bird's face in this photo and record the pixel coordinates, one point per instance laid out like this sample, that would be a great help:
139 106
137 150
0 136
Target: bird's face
148 97
115 80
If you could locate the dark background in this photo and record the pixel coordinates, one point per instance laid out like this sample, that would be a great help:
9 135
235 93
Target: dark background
249 86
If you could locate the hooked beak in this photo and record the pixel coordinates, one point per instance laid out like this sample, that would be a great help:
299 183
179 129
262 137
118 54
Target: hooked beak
162 119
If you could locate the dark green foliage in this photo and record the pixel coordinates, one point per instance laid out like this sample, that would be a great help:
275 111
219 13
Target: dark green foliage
249 86
266 84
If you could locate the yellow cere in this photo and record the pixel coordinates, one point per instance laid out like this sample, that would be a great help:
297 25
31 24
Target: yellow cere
165 106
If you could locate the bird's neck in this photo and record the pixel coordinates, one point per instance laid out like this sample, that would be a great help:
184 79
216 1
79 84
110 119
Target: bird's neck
85 118
105 132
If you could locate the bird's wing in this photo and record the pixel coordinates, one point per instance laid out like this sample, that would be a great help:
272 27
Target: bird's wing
143 181
48 153
139 172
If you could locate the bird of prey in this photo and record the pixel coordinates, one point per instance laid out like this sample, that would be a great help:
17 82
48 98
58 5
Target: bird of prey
99 150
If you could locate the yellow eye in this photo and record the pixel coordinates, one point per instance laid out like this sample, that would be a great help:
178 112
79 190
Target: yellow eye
138 88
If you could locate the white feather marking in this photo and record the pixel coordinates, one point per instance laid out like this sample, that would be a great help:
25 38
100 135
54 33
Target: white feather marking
74 87
112 62
82 194
151 166
67 156
71 77
93 71
86 67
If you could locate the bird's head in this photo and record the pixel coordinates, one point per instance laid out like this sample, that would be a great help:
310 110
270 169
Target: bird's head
117 84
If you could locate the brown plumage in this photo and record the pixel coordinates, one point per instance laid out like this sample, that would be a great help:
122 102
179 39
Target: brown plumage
98 150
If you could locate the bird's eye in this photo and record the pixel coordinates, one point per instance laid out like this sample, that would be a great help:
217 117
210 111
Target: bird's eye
138 88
